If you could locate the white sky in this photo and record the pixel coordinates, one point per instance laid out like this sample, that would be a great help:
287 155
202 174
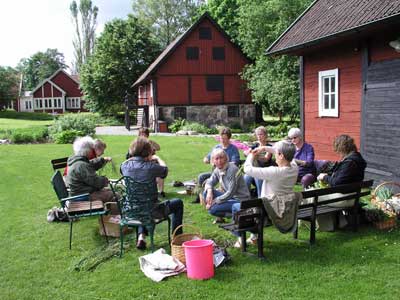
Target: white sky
30 26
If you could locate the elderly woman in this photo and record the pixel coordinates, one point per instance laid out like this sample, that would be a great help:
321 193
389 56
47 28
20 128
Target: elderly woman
350 168
82 177
263 159
231 151
278 179
233 189
304 157
143 166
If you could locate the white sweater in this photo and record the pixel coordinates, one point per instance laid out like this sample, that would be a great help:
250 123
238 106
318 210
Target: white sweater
276 180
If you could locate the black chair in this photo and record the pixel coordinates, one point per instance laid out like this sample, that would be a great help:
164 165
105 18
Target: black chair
78 206
135 202
59 163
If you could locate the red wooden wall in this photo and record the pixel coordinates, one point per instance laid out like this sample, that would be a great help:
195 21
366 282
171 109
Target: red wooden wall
67 84
320 132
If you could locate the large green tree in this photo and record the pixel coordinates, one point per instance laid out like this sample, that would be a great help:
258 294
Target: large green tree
9 81
84 17
166 18
40 66
123 51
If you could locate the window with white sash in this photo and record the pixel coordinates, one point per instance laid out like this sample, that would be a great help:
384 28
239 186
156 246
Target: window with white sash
328 87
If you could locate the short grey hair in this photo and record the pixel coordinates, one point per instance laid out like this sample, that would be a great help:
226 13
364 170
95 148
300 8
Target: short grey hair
261 129
286 148
83 146
219 152
295 132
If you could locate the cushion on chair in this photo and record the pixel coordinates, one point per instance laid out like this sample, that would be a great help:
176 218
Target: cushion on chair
74 207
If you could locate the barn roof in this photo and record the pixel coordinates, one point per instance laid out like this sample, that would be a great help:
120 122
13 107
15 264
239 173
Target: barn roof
328 19
173 45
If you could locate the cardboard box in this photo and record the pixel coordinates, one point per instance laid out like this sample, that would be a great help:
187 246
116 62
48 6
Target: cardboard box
111 224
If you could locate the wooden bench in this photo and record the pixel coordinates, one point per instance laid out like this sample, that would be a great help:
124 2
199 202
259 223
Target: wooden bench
308 211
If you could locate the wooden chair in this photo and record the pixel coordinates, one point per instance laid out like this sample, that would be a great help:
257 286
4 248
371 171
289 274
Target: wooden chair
135 202
76 206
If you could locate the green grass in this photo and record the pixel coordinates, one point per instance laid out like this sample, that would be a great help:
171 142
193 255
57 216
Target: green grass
37 264
15 123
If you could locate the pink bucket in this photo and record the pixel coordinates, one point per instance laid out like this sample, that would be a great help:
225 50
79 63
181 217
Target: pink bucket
199 259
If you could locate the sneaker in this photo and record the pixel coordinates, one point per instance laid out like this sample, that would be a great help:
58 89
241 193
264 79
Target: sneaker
238 244
252 240
162 194
219 220
141 245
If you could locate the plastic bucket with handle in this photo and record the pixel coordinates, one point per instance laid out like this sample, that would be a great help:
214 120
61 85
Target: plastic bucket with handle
199 259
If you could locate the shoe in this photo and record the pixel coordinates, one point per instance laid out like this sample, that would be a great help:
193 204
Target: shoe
162 194
219 220
177 184
141 245
238 244
197 200
252 240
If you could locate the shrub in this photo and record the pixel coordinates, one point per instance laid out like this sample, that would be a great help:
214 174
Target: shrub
83 123
177 125
195 127
67 136
27 135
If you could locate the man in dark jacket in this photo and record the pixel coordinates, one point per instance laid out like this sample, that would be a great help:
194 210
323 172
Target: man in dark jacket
82 177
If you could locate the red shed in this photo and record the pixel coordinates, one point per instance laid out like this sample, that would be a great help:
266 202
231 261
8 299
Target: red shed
350 78
197 78
57 94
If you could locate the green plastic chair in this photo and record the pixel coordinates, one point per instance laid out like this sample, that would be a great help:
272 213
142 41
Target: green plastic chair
78 206
135 202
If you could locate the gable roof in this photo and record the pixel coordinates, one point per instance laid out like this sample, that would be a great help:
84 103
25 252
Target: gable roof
52 83
174 44
327 19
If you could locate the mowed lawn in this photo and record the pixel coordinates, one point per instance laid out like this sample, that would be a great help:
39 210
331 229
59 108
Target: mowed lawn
14 123
37 264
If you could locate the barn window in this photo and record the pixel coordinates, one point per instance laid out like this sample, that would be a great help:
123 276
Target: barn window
179 112
233 111
205 33
192 53
215 83
328 86
218 53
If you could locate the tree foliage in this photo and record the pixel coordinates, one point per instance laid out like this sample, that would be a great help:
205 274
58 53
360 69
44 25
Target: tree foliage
166 18
122 53
84 18
9 81
40 66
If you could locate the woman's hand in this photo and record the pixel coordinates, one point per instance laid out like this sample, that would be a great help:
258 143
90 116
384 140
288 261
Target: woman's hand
322 176
209 199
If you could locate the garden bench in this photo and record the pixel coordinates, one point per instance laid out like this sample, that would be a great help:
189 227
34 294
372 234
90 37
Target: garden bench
308 211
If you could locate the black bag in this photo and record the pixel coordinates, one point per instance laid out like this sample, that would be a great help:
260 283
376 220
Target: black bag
160 210
248 217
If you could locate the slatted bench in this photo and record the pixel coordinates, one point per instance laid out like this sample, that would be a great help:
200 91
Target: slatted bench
308 211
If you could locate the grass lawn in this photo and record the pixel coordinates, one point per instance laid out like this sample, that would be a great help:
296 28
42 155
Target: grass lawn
15 123
37 264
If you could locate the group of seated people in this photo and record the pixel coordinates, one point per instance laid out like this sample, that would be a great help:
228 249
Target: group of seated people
272 169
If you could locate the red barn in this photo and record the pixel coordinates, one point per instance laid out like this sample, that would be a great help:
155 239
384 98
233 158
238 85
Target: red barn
57 94
350 78
197 78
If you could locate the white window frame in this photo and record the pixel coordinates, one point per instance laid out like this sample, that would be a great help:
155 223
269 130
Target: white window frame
73 102
328 112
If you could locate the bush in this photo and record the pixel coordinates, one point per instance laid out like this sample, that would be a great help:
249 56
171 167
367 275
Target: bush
10 114
83 123
177 125
27 135
67 136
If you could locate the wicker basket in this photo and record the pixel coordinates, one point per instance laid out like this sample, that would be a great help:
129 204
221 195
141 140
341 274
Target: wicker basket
386 224
177 249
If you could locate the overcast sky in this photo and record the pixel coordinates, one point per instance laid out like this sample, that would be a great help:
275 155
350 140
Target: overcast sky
29 26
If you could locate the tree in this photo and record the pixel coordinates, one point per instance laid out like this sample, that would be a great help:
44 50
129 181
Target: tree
167 18
85 28
9 81
122 53
40 66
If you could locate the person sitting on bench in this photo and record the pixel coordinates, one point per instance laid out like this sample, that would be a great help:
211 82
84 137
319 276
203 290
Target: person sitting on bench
232 185
276 179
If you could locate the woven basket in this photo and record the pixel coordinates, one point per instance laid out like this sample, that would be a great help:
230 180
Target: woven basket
382 204
177 249
386 224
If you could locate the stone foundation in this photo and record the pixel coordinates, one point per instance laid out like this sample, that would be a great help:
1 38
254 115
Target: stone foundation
211 115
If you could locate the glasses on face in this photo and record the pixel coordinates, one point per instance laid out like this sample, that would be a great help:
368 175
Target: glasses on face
292 138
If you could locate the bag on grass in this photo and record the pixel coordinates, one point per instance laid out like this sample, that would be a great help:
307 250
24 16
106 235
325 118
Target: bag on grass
57 215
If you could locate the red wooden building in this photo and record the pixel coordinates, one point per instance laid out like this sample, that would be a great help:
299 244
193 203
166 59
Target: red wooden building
197 78
350 78
57 94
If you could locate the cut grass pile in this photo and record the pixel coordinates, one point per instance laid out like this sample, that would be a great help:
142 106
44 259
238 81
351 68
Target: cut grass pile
37 264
